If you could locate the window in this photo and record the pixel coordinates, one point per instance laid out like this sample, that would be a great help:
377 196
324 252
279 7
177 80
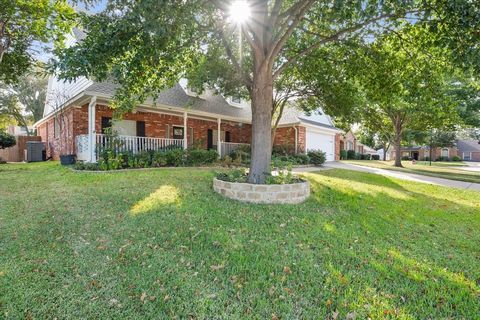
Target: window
177 132
140 128
106 123
349 145
445 152
236 99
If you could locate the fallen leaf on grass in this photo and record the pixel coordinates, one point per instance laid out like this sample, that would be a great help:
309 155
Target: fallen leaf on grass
216 268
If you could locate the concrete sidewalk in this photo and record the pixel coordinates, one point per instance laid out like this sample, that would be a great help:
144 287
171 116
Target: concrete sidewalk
395 174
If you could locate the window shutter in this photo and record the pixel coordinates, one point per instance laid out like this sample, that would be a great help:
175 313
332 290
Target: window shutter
227 136
190 132
140 128
106 123
167 131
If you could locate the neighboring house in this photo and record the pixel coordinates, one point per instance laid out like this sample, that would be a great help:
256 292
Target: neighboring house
348 141
177 117
19 131
368 150
380 153
423 153
469 150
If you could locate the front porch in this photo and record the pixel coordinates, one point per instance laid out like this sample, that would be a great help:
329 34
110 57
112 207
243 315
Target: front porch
136 144
154 129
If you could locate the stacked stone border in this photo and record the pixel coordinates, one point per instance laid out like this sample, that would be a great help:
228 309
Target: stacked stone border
263 193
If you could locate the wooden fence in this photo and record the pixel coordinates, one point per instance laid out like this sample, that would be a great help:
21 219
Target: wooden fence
17 152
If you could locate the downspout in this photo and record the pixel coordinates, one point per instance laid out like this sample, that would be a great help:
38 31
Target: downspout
296 139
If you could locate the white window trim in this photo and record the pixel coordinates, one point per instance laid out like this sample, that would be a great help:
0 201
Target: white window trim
448 152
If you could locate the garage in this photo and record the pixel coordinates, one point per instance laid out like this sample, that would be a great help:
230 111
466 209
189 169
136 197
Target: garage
317 140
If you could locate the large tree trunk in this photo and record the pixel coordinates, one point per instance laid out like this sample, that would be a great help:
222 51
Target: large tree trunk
398 141
262 100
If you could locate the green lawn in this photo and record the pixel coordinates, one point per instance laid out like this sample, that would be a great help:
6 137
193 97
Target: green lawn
160 243
447 170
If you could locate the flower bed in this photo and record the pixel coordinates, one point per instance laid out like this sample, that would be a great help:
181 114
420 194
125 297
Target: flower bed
263 193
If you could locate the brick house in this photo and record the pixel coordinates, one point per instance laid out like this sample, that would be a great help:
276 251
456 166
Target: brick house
77 114
423 153
211 121
469 150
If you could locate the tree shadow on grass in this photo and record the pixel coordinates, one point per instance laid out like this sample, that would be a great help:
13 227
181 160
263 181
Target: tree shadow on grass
369 246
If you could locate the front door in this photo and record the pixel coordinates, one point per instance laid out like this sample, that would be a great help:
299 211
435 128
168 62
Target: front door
177 132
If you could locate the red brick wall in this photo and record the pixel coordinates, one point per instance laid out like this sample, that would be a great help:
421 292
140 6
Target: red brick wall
155 126
285 136
337 146
64 142
475 156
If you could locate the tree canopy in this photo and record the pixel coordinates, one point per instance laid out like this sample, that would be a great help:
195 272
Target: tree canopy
25 23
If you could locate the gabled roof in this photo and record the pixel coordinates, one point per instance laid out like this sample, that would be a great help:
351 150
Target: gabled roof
215 104
468 145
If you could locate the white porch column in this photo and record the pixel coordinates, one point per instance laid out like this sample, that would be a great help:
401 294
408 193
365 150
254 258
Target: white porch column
219 142
185 131
91 130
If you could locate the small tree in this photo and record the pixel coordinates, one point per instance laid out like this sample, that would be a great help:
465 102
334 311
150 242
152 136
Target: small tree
6 140
63 118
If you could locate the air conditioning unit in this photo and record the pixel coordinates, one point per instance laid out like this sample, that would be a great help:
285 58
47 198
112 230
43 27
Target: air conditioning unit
35 151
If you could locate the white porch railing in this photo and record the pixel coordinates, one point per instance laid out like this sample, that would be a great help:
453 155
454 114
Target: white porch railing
125 144
229 147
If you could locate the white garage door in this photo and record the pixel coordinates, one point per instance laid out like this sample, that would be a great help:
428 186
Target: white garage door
321 141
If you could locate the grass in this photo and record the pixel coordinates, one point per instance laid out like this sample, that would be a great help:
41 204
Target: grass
161 243
446 170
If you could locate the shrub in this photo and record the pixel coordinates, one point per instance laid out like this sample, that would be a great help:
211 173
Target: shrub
351 155
6 140
405 158
238 175
144 159
366 156
283 177
343 154
2 161
426 159
375 157
442 159
159 159
317 157
456 158
240 156
79 165
175 157
282 150
201 156
300 158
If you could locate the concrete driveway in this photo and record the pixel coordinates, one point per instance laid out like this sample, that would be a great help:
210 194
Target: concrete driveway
395 174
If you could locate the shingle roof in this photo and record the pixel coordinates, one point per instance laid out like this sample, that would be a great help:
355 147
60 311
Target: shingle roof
468 145
213 104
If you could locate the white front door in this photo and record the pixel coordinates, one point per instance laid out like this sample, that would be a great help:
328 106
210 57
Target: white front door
125 127
321 141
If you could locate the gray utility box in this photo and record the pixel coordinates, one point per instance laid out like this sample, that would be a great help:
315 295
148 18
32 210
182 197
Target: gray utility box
35 151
